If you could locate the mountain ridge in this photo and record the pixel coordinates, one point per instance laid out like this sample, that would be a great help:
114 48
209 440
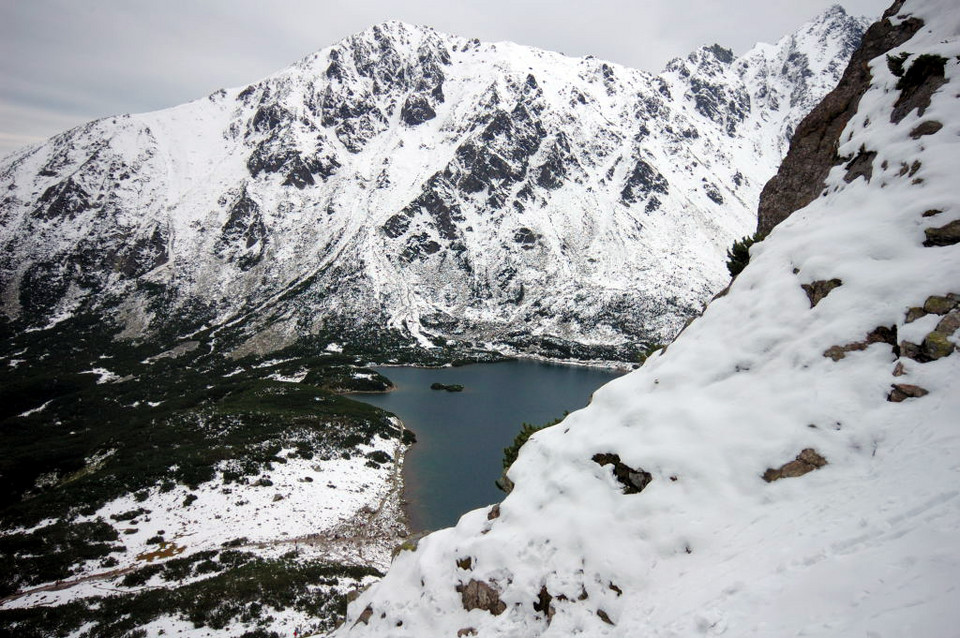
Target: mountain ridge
436 186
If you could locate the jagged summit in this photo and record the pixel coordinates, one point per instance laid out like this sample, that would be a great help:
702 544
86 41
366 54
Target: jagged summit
430 186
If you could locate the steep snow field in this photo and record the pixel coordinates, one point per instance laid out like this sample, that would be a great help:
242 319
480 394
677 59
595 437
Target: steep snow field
866 544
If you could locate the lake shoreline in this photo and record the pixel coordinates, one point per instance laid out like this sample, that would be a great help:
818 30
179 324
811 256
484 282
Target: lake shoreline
460 436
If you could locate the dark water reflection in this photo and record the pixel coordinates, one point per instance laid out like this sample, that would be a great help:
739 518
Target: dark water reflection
460 436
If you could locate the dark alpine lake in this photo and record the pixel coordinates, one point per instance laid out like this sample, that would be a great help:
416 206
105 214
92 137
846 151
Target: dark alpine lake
461 435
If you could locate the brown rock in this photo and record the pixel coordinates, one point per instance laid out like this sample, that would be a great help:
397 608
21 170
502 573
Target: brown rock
477 594
903 391
807 461
813 148
466 631
604 617
880 334
365 616
914 313
494 512
937 305
931 212
817 290
944 236
860 166
632 480
465 563
899 370
949 324
912 351
542 604
929 127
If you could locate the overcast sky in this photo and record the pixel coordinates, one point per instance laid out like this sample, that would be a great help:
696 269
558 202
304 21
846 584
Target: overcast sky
65 62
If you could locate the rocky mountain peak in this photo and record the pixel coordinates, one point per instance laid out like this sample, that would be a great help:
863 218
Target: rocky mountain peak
404 180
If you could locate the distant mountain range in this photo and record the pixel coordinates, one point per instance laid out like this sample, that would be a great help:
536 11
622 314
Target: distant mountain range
427 186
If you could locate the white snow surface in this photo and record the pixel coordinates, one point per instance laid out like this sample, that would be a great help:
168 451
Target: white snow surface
529 154
867 545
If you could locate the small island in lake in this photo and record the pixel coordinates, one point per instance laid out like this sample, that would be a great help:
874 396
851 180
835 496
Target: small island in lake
449 387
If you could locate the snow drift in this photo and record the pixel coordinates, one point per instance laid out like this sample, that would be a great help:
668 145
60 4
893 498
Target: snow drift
790 464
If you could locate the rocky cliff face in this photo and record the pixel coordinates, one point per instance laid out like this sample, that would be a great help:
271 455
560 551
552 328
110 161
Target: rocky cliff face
813 152
410 182
787 465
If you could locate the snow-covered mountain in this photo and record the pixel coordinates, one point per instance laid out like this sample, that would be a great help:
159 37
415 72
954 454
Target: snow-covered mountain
789 465
429 185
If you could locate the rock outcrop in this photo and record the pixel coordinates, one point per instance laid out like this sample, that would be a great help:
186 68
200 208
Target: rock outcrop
813 150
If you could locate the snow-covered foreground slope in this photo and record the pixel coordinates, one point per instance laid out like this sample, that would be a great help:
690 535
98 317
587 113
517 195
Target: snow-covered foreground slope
848 389
406 180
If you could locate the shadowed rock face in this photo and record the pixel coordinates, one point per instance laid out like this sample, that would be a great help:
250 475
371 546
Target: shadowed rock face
813 149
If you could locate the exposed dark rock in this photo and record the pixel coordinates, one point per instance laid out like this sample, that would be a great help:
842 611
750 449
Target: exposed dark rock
465 563
504 483
147 253
542 604
64 200
949 324
477 594
270 117
807 461
243 229
817 290
525 237
860 166
494 512
929 127
722 54
396 225
417 110
419 246
914 313
604 617
633 480
880 334
903 391
713 193
931 212
466 631
943 236
813 148
642 181
918 84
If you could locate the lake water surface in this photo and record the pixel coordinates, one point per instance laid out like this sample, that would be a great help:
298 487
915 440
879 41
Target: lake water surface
461 435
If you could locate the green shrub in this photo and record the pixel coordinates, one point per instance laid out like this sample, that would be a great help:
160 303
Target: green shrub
895 63
738 255
526 431
926 65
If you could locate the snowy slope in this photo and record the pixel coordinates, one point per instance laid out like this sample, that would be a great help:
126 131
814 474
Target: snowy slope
441 187
865 543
